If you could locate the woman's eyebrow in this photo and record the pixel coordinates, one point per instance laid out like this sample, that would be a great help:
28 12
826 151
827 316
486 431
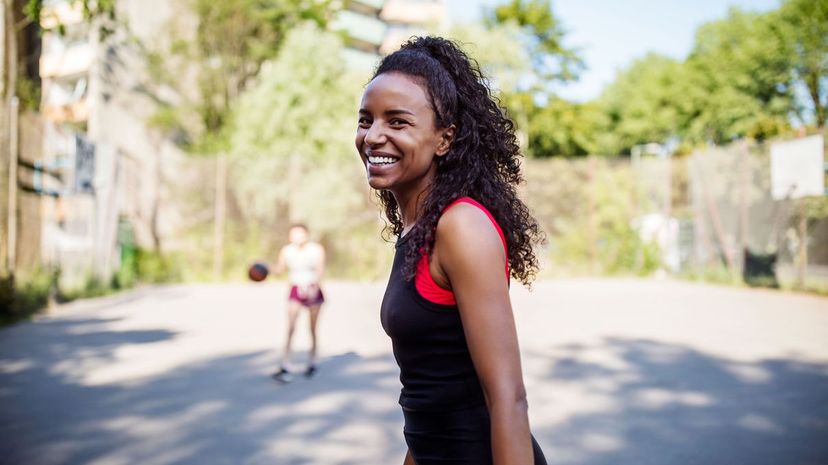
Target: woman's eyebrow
399 111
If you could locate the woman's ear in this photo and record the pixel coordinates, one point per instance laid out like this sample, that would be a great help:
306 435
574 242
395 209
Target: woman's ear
445 140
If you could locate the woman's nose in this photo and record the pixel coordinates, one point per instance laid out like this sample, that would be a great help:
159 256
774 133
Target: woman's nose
375 135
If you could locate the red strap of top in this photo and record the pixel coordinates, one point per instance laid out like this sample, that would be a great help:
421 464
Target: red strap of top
423 280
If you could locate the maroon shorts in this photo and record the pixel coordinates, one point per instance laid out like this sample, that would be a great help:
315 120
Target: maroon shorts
312 298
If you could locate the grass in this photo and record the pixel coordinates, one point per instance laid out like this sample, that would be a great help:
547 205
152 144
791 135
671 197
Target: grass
23 296
721 275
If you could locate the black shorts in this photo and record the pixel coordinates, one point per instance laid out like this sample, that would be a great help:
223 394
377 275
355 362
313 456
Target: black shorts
460 437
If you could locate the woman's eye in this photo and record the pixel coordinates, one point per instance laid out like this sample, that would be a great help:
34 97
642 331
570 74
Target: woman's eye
397 122
364 122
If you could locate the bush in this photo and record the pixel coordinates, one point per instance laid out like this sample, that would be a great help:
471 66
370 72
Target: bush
587 208
23 295
92 287
155 267
718 274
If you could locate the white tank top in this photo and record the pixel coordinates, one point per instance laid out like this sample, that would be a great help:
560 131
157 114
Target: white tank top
302 264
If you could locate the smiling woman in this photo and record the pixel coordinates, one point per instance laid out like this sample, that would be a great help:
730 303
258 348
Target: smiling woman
397 133
444 161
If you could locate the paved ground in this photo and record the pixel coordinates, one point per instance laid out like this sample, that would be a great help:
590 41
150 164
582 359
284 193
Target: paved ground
619 372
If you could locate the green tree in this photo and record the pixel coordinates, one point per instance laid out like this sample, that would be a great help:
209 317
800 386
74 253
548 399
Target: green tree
563 128
643 104
553 61
805 27
740 80
292 136
505 62
554 127
102 12
223 54
499 51
737 82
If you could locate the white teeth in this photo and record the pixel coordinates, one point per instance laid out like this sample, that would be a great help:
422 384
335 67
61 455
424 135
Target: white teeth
381 160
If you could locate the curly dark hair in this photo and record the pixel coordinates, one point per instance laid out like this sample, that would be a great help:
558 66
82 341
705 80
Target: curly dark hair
482 162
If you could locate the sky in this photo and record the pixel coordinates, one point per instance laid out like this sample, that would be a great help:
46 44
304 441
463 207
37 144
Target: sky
610 34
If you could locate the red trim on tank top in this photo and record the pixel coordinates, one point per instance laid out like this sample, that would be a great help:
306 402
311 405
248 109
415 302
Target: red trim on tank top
423 280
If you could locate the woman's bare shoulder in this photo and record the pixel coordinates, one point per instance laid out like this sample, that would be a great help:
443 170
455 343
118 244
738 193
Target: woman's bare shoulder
466 227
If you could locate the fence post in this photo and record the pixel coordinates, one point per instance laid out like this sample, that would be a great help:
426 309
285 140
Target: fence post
802 269
592 168
11 252
744 204
219 217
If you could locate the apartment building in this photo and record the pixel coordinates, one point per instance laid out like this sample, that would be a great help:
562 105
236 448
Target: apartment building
364 32
406 18
377 27
102 165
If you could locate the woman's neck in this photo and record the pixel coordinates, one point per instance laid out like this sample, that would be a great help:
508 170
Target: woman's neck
409 202
409 206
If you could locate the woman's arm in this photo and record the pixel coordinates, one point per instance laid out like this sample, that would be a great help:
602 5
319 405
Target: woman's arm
469 255
409 460
320 264
279 266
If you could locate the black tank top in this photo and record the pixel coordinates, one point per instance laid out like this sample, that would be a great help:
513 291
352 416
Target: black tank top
430 347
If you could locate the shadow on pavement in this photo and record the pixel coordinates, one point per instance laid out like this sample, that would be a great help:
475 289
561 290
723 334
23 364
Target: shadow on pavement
224 410
652 403
149 292
625 402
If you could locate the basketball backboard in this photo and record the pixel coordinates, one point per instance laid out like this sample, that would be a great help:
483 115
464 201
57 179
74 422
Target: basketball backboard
797 168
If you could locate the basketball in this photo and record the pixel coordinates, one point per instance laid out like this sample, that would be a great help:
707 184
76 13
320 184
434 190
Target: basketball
257 272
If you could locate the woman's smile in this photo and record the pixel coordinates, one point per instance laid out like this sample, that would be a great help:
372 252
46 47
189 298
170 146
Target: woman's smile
380 160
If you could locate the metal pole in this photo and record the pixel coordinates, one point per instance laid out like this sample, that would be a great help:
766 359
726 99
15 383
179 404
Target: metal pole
802 269
11 255
219 217
744 205
668 208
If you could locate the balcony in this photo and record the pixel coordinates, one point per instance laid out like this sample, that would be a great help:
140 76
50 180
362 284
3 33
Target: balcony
71 60
375 4
61 12
421 13
75 112
360 27
64 100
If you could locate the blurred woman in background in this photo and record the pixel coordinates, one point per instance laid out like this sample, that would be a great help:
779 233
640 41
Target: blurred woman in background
305 264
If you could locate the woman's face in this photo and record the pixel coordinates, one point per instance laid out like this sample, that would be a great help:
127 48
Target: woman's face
298 235
397 138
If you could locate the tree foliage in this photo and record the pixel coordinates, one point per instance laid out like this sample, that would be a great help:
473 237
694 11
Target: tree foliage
524 46
805 28
505 61
222 54
643 104
749 75
499 51
740 80
553 61
564 128
102 11
292 135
